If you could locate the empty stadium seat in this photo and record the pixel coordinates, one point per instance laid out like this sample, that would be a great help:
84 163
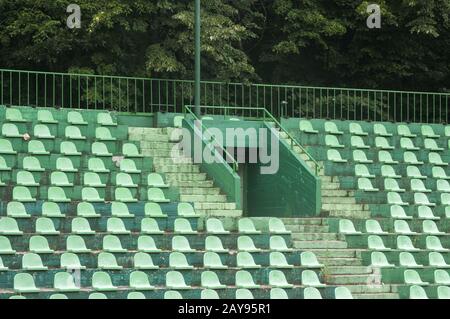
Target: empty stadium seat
64 281
140 281
69 148
342 293
360 157
86 210
42 131
437 260
71 261
355 129
335 156
24 283
373 227
60 179
306 127
278 260
73 133
428 131
11 130
245 243
246 226
181 244
380 129
175 280
383 143
361 170
277 243
311 293
16 210
9 226
417 292
211 260
210 280
156 195
378 259
405 243
346 227
6 147
403 130
243 293
375 242
412 277
96 165
14 115
147 244
214 244
278 279
75 244
39 245
178 260
276 226
130 150
32 262
365 184
245 260
402 227
309 278
107 261
111 243
116 226
331 128
209 294
156 180
172 295
51 210
5 246
101 281
245 280
150 226
104 134
182 226
154 210
184 209
443 292
407 260
143 261
332 141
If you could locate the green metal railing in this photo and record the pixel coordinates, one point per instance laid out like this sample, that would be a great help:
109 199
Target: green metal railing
258 114
128 94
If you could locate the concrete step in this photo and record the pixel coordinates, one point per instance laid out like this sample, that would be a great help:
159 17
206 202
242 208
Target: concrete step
214 206
316 236
204 198
353 279
184 184
337 193
157 145
199 191
340 261
179 168
349 270
334 253
219 212
353 207
337 200
172 160
319 244
304 221
149 137
330 186
371 289
307 229
359 214
143 130
329 179
376 296
191 177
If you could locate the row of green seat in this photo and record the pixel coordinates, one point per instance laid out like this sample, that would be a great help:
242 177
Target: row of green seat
391 184
407 259
404 243
400 227
387 171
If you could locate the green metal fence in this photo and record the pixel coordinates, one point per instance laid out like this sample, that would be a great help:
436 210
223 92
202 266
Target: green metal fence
45 89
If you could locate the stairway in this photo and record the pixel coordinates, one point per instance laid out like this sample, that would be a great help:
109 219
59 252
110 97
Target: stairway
342 265
180 171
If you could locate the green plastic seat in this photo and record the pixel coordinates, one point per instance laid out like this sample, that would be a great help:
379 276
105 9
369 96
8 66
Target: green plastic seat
361 170
178 121
101 281
425 212
75 118
52 210
46 117
134 295
276 226
24 283
112 244
185 210
373 227
431 145
32 164
75 244
16 210
211 260
81 226
278 279
143 261
395 199
130 150
278 260
435 159
56 194
22 194
100 149
245 260
311 293
25 178
214 244
388 171
374 242
443 292
14 115
358 142
309 278
383 143
443 186
210 280
64 281
430 227
437 260
58 297
116 226
154 210
125 180
243 293
380 130
156 180
139 281
405 243
418 186
410 158
107 261
92 180
96 165
335 156
10 130
147 244
105 119
9 226
379 260
71 261
129 166
74 133
407 144
215 226
356 129
5 246
386 158
6 147
332 141
346 227
331 128
245 243
150 226
86 210
36 147
124 195
278 293
434 243
277 243
42 131
406 259
172 295
402 227
45 226
365 184
90 194
157 195
244 279
360 157
104 134
412 277
306 127
246 226
404 131
65 164
181 244
178 260
32 262
120 210
342 293
428 131
175 280
417 292
3 165
414 172
60 179
445 199
391 185
309 259
209 294
182 226
39 245
69 148
97 295
422 199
